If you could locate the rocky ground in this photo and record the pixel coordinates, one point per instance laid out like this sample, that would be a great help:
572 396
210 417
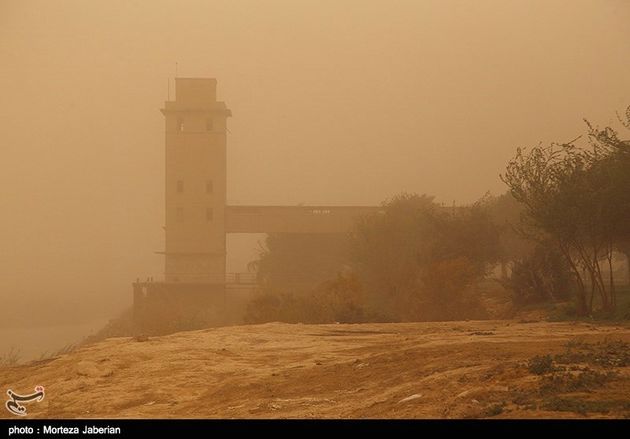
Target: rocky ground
499 369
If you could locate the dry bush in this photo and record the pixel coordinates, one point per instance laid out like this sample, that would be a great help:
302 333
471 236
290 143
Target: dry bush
339 300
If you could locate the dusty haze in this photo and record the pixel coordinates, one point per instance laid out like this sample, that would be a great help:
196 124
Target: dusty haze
334 102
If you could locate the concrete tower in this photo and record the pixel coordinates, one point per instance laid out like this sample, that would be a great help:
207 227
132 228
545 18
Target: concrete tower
196 290
195 183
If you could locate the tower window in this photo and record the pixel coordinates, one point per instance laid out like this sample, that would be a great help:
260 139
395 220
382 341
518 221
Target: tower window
209 214
180 125
180 186
180 214
208 124
209 187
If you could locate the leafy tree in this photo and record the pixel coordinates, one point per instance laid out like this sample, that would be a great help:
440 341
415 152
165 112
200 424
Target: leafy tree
417 260
541 276
577 199
611 170
388 250
296 263
414 260
506 214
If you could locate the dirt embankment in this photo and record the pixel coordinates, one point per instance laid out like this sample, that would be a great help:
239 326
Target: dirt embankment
416 370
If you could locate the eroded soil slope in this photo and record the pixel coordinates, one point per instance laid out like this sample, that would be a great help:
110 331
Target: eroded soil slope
419 370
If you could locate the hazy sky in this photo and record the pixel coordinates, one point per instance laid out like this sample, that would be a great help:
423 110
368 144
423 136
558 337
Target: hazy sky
340 102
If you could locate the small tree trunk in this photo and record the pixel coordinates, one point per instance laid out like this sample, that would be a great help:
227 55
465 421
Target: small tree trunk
590 302
601 285
581 307
613 292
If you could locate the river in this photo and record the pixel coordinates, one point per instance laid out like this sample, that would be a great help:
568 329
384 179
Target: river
32 343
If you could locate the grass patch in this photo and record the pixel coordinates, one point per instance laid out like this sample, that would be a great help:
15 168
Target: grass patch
578 355
583 367
568 382
10 358
584 406
45 356
607 353
522 398
493 410
540 365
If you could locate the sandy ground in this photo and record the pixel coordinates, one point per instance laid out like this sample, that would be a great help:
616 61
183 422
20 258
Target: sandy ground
416 370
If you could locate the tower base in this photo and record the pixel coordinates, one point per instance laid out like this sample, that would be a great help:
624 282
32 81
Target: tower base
167 307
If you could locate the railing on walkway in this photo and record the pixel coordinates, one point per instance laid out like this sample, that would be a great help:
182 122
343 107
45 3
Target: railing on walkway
244 278
241 278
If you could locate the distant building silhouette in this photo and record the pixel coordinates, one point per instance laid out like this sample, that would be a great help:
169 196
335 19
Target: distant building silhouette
198 217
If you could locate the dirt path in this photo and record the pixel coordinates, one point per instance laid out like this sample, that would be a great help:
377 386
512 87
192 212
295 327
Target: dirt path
418 370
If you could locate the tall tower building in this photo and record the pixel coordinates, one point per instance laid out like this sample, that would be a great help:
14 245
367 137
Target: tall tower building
195 183
196 290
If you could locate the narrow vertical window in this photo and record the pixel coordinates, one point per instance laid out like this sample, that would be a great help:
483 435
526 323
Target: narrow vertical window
209 125
209 187
180 186
180 125
209 214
